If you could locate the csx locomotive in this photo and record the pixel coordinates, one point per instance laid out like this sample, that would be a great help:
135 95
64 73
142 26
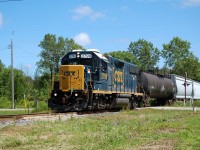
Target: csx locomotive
90 80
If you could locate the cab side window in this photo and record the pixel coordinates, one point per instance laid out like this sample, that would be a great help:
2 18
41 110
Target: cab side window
104 66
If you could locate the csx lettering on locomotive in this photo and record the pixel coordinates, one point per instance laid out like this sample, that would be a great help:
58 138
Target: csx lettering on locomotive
69 73
119 76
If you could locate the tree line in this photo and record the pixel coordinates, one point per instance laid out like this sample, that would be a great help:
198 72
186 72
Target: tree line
176 54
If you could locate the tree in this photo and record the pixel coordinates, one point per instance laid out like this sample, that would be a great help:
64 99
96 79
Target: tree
175 50
126 56
191 65
47 54
42 85
146 53
21 83
1 66
52 51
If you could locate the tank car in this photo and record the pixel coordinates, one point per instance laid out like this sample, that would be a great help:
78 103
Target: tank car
192 88
90 80
157 87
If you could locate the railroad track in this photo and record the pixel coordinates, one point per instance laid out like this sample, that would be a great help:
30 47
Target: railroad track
21 116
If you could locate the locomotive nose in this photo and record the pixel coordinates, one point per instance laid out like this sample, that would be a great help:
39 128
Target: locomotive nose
72 77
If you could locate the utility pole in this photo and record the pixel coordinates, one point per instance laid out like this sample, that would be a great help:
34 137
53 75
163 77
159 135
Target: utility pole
185 87
12 73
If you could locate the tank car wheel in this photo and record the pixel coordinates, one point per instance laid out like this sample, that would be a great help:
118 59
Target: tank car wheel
140 102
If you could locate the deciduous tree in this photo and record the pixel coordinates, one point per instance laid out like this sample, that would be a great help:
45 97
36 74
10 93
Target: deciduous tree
52 51
175 50
190 65
1 66
146 53
126 56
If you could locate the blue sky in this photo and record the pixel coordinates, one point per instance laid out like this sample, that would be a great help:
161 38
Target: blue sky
107 25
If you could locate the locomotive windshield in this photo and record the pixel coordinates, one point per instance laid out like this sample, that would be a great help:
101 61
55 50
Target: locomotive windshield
77 59
84 61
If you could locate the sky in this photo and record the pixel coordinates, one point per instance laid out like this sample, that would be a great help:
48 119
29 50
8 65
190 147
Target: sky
107 25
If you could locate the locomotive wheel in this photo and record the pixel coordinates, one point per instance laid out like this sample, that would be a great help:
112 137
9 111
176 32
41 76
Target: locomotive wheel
101 103
80 104
112 103
133 103
51 103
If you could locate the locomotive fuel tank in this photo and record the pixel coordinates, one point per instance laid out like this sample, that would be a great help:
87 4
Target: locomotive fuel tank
158 87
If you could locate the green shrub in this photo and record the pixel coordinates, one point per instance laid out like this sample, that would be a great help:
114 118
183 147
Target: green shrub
41 107
5 102
196 103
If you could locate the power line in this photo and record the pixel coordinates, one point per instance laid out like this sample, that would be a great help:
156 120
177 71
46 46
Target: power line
10 0
26 51
2 49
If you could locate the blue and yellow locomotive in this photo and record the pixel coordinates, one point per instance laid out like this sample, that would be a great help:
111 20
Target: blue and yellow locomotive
90 80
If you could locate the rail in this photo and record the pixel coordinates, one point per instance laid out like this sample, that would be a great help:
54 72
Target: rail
21 116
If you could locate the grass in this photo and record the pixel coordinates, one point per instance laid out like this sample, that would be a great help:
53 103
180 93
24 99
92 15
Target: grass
41 108
196 103
141 129
13 112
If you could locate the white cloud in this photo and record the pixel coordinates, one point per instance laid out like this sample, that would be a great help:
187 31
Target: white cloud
184 3
1 19
82 39
189 3
86 11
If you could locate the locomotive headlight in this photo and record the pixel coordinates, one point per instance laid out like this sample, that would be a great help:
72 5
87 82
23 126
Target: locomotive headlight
76 94
55 94
88 70
78 56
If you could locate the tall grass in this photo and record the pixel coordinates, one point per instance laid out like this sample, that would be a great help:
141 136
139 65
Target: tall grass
196 103
180 103
42 107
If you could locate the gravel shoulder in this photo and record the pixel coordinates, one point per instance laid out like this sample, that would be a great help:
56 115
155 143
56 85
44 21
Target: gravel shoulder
49 117
62 117
177 108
